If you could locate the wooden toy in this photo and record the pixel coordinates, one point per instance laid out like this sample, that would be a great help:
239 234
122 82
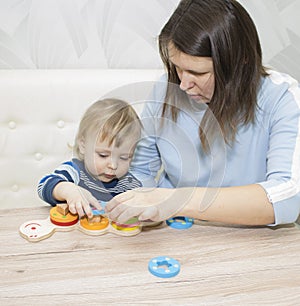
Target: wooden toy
37 230
63 209
180 222
163 266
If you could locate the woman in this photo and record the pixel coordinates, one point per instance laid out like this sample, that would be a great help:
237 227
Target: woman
225 129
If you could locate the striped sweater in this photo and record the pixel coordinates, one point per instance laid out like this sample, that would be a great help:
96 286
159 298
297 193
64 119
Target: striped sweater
74 171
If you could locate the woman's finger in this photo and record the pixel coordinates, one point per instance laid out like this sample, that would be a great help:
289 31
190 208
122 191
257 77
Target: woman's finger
116 212
128 213
111 205
150 213
136 212
117 200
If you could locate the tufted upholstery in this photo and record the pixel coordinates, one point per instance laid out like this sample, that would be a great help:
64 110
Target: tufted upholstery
40 111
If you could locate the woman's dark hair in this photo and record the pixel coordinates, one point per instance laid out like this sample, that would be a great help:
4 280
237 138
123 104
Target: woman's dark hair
224 31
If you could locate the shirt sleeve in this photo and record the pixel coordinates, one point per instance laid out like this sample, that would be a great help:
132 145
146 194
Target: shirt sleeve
282 183
66 172
146 163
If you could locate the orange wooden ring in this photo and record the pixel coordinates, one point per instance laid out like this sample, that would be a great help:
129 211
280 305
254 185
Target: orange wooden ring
61 220
94 226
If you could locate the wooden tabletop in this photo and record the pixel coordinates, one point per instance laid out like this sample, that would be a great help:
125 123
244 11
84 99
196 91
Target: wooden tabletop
220 265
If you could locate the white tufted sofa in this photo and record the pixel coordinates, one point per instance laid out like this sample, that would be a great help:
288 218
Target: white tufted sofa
40 112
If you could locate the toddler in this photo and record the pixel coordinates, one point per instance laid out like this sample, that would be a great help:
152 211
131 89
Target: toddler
104 146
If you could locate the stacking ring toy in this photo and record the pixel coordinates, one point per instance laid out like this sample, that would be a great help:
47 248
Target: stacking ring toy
180 222
91 226
164 267
130 223
37 230
62 220
99 212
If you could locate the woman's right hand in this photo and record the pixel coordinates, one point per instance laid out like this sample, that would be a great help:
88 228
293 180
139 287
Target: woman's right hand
77 198
155 204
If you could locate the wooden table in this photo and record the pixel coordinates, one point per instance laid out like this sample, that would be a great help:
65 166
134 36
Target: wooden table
220 265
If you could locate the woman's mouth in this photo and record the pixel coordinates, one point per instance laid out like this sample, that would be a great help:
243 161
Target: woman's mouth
198 98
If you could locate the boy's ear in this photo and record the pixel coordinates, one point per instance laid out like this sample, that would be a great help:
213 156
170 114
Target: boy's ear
81 145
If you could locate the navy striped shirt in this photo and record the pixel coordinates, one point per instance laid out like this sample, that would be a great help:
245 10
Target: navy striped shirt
74 171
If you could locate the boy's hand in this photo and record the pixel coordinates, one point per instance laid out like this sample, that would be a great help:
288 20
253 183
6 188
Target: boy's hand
77 198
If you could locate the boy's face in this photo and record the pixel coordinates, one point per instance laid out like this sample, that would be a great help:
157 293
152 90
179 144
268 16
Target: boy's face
106 162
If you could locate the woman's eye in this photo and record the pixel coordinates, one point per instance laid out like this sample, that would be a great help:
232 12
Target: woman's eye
125 157
102 155
178 70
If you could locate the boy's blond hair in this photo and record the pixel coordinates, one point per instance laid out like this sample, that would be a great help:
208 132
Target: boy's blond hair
111 119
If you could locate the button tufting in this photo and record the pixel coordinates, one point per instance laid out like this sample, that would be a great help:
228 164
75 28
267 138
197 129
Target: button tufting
60 124
12 125
15 188
38 156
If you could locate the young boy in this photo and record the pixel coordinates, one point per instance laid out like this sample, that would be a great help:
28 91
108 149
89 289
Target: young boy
104 145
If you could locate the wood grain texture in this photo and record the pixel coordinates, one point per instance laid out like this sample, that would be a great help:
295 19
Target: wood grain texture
220 265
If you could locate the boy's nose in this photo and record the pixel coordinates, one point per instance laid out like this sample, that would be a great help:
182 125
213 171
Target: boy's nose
113 164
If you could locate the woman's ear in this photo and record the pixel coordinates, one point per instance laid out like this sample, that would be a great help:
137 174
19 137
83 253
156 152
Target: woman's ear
81 145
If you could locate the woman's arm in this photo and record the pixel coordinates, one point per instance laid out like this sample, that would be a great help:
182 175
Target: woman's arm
247 205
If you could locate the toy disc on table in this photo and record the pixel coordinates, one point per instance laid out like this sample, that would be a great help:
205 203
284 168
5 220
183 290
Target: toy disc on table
180 222
164 266
61 220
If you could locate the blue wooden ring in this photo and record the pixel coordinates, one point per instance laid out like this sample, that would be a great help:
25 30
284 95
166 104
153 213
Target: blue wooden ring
180 222
163 266
97 212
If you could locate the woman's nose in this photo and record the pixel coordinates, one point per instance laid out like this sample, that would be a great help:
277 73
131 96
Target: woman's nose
186 81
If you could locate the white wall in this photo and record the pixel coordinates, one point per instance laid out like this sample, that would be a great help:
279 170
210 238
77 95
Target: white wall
55 34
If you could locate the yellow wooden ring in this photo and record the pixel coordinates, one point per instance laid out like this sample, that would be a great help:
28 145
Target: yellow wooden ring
120 228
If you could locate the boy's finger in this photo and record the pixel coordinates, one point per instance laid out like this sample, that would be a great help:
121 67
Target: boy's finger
94 202
79 209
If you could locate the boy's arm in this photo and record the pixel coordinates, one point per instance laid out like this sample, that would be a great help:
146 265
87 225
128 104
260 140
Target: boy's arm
46 187
66 172
78 199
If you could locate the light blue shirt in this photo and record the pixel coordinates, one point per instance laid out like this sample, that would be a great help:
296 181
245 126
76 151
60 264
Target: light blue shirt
266 152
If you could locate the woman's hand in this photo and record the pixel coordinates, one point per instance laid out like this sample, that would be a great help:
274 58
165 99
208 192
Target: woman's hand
247 205
77 198
156 204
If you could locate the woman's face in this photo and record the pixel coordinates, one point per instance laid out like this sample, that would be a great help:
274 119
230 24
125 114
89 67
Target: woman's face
196 74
